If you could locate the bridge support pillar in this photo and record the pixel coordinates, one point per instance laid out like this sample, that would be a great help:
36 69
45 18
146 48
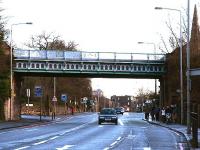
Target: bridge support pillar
15 104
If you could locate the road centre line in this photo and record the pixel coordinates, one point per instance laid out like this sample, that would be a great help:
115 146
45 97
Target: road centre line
22 148
113 143
120 122
147 148
76 128
41 142
119 138
55 137
65 147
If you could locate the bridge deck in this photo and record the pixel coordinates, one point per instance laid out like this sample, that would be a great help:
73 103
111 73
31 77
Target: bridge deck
91 64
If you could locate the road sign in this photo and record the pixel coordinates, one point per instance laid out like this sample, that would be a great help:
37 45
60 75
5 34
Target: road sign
38 91
84 100
28 92
54 99
64 97
31 105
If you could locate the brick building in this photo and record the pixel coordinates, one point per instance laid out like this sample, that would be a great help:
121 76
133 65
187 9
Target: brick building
172 78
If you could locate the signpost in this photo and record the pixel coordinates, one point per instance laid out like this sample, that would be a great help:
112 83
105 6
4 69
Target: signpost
54 100
38 93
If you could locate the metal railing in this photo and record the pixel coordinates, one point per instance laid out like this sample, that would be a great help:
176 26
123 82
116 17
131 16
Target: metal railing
85 56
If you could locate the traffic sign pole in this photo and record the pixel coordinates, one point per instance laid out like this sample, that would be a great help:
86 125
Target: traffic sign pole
41 108
65 108
28 91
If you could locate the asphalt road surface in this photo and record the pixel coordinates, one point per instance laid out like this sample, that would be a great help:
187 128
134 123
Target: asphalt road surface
82 132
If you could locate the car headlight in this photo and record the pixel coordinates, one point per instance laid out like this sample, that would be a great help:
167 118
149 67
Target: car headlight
114 117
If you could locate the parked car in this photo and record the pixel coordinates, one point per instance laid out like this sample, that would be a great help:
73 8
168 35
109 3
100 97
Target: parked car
119 110
108 115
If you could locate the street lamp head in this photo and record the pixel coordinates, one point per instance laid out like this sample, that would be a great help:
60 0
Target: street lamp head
140 42
29 23
158 8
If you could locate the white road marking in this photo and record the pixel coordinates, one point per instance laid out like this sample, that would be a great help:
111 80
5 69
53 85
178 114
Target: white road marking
130 136
65 147
147 148
76 128
181 146
120 122
22 147
119 138
126 113
29 130
113 143
3 132
41 142
53 137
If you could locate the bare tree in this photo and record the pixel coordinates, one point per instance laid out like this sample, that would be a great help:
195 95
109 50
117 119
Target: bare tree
50 41
174 38
74 87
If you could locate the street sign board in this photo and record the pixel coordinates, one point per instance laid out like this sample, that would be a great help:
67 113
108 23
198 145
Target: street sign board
28 92
84 100
31 105
54 99
64 97
38 91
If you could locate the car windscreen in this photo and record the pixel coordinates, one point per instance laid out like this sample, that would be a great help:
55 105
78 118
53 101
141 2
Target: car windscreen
108 111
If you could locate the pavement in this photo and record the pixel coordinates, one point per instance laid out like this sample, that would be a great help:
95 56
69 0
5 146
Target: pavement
29 120
182 129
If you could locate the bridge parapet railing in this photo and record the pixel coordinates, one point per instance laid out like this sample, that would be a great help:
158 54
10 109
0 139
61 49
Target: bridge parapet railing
85 56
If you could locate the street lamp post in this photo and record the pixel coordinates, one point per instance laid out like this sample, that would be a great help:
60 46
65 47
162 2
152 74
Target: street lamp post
181 58
188 68
154 46
11 62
